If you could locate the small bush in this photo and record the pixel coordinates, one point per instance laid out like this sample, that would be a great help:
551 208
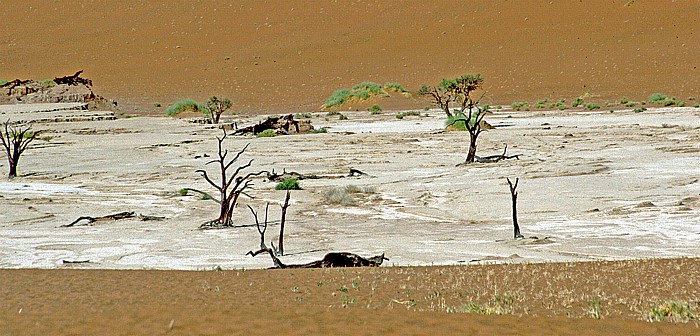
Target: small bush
375 109
408 114
624 100
338 196
520 106
577 102
157 104
639 109
3 82
426 108
342 117
592 106
288 184
656 97
630 104
183 192
266 133
396 87
305 115
337 98
47 83
185 105
362 95
696 105
320 130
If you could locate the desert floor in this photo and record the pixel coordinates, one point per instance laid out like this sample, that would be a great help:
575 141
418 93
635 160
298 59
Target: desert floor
594 186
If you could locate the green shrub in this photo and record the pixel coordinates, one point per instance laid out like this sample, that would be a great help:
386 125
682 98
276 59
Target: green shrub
426 108
363 95
320 130
337 98
47 83
624 100
332 113
375 109
577 102
396 87
183 192
185 105
639 109
656 97
399 116
3 82
370 87
288 184
305 115
520 105
157 104
691 98
696 105
592 106
266 133
630 104
408 114
342 117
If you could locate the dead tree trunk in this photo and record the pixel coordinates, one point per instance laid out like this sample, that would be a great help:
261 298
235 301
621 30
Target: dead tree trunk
15 142
280 245
514 199
261 229
231 186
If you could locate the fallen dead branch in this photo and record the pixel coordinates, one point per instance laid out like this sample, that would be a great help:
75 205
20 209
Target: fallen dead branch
113 217
496 158
273 176
333 259
285 124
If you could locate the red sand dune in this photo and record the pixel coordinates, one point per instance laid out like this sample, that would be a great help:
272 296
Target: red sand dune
290 55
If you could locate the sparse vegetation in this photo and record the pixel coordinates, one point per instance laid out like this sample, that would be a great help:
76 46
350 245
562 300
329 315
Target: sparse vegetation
341 196
523 105
305 115
671 311
342 117
320 130
157 104
268 133
362 91
337 98
577 102
401 115
185 105
183 192
375 109
288 184
3 82
592 106
639 109
656 97
396 87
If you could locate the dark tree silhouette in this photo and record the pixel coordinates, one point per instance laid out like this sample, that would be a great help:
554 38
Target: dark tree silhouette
232 185
15 140
217 107
514 200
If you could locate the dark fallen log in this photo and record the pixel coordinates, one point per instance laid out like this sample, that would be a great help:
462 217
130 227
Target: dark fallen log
333 259
75 261
75 79
285 124
90 220
276 177
496 158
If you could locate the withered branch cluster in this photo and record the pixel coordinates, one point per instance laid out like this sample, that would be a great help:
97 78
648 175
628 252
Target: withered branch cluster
15 140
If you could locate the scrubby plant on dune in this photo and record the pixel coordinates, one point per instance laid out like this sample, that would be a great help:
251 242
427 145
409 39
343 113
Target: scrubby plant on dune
185 105
362 91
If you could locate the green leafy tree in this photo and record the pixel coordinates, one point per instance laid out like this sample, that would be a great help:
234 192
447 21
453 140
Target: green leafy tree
457 93
217 107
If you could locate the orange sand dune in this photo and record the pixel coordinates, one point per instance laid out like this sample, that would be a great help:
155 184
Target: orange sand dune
273 56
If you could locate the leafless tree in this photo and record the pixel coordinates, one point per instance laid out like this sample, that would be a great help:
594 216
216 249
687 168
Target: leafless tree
15 140
232 184
262 228
514 199
457 93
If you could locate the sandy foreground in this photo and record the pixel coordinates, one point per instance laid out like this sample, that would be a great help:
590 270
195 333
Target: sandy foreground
593 186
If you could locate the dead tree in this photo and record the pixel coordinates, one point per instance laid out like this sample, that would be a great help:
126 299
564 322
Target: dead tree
232 185
217 107
458 92
514 199
15 140
496 158
262 228
280 245
73 80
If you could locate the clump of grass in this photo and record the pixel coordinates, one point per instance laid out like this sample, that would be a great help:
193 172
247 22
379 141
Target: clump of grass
541 103
342 117
577 102
337 98
370 87
266 133
353 189
630 104
332 113
592 106
3 82
523 105
47 83
672 311
396 87
408 114
501 304
183 192
320 130
288 184
375 109
594 309
185 105
426 108
656 97
624 100
696 105
305 115
639 109
691 98
338 196
157 104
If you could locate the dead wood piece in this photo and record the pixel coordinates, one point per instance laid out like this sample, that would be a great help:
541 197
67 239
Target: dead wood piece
496 158
280 124
75 79
75 261
146 218
90 220
333 259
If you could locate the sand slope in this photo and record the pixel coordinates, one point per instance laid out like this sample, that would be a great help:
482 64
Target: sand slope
289 56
